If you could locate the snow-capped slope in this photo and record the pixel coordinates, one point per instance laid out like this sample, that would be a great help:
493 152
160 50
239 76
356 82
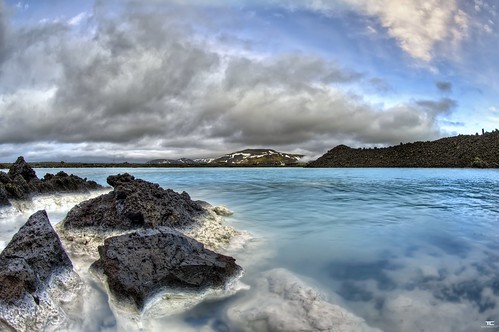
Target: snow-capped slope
258 157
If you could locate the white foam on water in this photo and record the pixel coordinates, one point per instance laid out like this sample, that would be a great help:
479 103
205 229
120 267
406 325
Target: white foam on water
56 310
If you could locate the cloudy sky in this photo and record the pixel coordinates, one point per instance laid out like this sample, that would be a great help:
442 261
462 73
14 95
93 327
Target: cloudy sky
142 79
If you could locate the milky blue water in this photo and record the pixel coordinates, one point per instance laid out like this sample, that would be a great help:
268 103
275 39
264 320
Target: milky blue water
405 249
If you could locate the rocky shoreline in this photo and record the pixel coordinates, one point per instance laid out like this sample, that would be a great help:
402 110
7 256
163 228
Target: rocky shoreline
134 235
463 151
21 183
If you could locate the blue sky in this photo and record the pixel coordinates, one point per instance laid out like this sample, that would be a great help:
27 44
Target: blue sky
137 80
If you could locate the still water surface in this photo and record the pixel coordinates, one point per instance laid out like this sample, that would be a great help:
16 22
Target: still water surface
405 249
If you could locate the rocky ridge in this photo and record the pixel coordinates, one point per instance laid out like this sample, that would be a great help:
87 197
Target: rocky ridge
463 151
21 183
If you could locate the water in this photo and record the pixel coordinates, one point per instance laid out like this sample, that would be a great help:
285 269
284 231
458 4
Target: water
405 249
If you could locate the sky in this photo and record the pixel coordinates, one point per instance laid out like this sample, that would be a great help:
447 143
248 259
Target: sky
134 80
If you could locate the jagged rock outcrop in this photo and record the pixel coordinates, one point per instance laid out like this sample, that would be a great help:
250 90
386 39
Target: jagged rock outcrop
21 182
133 204
139 265
463 151
35 275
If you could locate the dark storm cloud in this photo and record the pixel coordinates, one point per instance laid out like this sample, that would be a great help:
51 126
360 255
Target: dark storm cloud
442 106
444 86
146 81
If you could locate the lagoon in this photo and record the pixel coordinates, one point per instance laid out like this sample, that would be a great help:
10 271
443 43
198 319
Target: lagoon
404 249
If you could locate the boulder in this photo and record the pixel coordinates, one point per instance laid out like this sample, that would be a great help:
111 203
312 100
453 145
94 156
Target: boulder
21 167
139 265
134 204
35 274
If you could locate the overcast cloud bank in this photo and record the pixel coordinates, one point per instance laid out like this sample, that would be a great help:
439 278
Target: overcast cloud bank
147 82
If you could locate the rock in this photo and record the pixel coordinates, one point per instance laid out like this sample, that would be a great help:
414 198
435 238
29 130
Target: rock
35 274
282 302
21 183
62 182
4 178
18 188
4 198
38 244
141 264
21 167
134 204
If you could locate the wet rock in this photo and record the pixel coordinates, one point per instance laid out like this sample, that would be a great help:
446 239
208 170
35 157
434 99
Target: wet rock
139 265
4 178
134 204
35 274
4 198
18 188
21 183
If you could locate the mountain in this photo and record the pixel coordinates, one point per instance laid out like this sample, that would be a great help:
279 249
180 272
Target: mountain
479 151
181 161
260 157
248 157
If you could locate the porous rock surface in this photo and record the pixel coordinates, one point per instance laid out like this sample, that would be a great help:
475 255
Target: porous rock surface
21 182
133 204
35 273
139 265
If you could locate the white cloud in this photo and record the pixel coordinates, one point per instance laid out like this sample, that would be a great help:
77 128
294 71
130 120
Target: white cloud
76 20
418 26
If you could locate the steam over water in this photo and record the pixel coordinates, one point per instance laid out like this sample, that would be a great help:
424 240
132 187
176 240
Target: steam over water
403 249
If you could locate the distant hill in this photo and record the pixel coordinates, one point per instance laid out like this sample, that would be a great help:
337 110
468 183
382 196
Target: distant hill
260 157
463 151
181 161
248 157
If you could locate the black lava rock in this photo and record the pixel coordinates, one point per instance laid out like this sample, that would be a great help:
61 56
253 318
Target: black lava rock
134 204
21 182
139 265
36 249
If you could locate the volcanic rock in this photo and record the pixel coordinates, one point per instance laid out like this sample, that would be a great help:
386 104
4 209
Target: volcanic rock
4 199
21 167
35 273
134 204
21 182
141 264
